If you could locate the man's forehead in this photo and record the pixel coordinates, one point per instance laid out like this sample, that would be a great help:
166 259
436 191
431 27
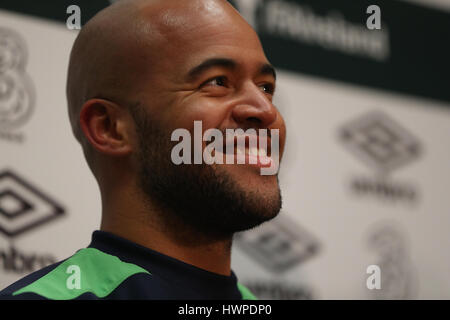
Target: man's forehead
173 15
190 37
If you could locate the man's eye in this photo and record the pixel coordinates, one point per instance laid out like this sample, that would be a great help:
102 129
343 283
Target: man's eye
268 88
217 81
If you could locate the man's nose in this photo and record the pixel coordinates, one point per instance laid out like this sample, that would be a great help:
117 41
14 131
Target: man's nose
254 108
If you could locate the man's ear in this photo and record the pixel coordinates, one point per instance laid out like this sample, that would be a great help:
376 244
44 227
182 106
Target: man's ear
104 124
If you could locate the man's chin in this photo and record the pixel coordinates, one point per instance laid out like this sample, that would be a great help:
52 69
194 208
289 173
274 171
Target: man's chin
258 199
213 200
251 224
261 189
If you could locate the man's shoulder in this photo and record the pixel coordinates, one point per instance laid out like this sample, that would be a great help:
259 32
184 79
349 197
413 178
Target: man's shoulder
8 292
88 274
92 274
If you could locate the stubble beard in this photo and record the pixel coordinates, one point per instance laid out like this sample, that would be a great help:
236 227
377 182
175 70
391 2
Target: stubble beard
203 197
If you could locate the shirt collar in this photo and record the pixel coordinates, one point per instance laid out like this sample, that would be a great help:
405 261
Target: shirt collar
178 273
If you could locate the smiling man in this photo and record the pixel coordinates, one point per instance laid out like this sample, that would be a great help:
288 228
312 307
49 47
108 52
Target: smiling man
139 70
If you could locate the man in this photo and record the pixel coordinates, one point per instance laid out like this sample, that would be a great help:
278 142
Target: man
139 70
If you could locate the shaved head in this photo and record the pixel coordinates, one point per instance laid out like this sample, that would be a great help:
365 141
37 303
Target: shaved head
110 53
119 46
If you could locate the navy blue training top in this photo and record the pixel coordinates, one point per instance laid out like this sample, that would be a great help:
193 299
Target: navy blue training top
115 268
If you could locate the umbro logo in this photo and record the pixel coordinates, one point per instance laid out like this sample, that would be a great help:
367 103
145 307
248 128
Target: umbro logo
23 206
384 145
380 142
279 245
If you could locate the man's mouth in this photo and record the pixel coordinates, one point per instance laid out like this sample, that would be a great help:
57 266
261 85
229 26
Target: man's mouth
258 148
250 150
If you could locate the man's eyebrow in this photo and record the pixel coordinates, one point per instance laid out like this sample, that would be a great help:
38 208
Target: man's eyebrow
211 63
268 69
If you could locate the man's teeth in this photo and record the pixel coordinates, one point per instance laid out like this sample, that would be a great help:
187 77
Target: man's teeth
252 151
262 153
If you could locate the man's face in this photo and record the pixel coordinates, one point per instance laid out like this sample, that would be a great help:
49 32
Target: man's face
210 68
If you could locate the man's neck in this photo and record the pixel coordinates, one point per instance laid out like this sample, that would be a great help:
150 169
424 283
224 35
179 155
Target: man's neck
146 228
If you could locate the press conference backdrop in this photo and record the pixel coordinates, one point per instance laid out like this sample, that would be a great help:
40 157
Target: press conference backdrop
366 173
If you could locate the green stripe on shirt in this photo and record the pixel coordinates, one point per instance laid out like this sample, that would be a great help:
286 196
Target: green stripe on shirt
88 270
246 293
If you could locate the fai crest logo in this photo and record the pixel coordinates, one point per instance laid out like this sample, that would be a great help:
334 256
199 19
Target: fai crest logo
16 89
